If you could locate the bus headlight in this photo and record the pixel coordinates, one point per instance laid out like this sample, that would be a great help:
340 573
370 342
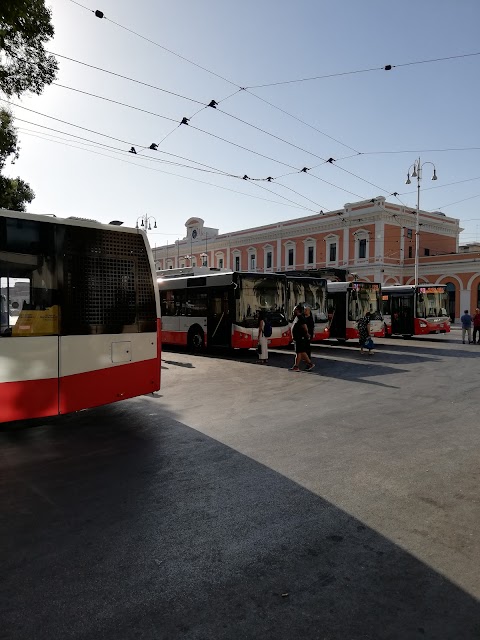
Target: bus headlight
423 324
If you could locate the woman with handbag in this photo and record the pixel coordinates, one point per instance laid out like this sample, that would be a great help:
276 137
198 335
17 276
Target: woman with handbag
262 347
364 338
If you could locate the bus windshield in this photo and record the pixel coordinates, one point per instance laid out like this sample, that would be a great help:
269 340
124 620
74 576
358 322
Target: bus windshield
313 295
364 297
259 293
432 304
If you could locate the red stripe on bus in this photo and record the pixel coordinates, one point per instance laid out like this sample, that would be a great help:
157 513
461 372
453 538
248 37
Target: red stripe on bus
159 349
174 337
28 399
95 388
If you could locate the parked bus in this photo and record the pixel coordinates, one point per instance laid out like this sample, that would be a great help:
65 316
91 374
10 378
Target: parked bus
347 302
80 322
221 308
313 293
415 310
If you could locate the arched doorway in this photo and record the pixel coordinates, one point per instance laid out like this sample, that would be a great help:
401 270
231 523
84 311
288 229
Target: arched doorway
451 300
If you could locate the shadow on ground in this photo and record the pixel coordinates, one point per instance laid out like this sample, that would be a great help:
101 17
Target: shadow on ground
338 368
124 523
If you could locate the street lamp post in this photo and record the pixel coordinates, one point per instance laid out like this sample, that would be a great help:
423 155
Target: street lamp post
204 257
187 257
146 222
417 173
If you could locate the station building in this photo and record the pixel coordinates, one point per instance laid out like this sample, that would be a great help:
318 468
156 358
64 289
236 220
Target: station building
373 239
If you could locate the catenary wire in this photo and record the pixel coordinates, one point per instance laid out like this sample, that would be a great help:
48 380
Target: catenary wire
211 184
100 14
440 186
387 67
116 149
231 142
457 202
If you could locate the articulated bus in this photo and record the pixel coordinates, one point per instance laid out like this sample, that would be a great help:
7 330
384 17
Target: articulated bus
347 302
309 291
80 315
415 310
221 308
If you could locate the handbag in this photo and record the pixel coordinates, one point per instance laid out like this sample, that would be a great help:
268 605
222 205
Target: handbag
259 349
369 343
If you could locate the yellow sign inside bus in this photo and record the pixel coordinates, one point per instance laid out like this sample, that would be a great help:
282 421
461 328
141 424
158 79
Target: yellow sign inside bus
37 322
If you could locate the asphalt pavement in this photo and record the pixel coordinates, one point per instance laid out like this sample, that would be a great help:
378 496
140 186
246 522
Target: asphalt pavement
245 501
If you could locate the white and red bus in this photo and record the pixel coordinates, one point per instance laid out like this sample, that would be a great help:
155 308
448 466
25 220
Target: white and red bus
347 302
80 315
415 310
312 292
221 308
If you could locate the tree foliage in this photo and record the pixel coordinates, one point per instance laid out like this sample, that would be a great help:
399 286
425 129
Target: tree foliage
25 27
15 194
8 138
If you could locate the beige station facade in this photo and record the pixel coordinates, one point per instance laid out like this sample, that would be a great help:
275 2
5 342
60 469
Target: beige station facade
372 239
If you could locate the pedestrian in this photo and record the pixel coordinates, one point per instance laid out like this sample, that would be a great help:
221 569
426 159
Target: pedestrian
262 347
476 326
466 321
307 312
301 338
364 339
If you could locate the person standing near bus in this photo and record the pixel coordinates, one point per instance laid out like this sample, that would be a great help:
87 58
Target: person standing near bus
301 338
476 326
466 321
310 322
364 339
262 340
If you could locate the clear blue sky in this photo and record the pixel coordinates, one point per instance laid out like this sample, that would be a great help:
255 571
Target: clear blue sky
427 106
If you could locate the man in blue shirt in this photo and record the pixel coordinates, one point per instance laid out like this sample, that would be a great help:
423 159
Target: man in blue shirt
466 321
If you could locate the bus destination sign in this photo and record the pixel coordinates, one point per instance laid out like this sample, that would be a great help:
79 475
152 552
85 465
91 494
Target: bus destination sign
431 289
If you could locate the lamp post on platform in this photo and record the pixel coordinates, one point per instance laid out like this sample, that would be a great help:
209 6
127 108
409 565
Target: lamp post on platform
146 222
417 173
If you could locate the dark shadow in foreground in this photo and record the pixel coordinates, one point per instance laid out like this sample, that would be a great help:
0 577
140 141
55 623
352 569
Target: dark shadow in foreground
124 523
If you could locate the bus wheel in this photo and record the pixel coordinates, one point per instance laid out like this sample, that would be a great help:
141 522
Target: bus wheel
196 339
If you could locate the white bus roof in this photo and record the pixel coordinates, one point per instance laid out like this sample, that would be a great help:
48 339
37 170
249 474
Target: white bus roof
72 222
336 287
410 287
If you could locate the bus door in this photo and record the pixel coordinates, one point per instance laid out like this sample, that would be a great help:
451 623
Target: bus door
337 314
402 315
219 322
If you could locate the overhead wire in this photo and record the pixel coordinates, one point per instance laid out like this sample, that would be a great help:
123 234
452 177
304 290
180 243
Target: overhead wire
211 184
388 67
186 121
100 14
457 202
440 186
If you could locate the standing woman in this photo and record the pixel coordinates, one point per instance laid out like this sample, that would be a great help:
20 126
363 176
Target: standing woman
310 322
262 340
364 333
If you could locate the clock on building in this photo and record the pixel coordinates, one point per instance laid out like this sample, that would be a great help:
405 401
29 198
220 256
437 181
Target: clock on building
194 234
